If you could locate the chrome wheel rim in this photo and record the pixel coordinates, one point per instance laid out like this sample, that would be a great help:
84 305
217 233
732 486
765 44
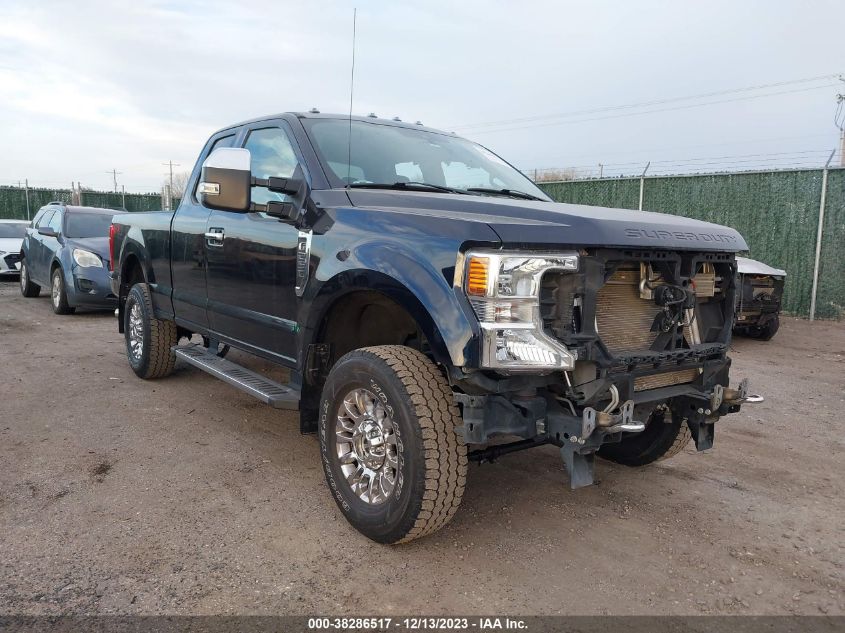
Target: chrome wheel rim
23 277
136 332
365 446
57 289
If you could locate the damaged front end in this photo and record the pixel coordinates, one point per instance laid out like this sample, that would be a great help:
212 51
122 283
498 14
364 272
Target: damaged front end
605 351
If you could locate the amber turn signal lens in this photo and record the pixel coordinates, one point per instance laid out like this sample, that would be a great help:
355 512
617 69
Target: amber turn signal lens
477 276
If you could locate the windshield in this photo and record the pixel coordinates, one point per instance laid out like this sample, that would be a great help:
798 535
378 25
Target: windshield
387 154
87 225
12 230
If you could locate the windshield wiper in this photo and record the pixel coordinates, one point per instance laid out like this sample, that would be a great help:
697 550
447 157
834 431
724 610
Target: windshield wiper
404 185
513 193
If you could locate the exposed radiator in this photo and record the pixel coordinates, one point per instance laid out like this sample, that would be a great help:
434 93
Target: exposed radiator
623 319
665 379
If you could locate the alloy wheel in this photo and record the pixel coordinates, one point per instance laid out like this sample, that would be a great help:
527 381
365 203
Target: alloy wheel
365 440
56 292
136 332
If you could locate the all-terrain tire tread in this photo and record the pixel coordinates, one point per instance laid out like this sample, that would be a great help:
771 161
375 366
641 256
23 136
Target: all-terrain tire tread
163 336
445 452
681 440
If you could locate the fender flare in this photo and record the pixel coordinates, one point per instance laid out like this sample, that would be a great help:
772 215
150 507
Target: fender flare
451 335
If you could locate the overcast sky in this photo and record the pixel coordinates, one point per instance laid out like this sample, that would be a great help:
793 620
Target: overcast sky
86 87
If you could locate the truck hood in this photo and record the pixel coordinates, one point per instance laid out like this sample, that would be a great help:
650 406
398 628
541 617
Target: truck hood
748 266
537 223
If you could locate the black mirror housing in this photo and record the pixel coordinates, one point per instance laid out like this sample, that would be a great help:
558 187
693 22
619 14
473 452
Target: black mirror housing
226 182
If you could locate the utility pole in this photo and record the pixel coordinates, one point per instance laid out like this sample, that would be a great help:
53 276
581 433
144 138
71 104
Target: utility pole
114 174
172 165
123 192
839 120
601 170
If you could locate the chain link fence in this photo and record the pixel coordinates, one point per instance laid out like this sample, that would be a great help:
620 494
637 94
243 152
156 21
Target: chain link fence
777 212
22 203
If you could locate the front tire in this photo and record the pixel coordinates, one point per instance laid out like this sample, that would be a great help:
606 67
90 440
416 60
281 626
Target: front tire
58 293
663 437
149 340
393 460
768 331
29 289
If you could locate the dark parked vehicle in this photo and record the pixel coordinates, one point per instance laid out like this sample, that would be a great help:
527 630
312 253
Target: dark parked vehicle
67 250
428 299
759 299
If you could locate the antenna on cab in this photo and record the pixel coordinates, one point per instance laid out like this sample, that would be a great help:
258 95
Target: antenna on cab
351 92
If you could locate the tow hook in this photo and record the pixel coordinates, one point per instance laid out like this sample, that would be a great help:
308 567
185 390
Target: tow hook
736 396
609 422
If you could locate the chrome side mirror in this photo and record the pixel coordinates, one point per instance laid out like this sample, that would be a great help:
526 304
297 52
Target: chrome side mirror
225 182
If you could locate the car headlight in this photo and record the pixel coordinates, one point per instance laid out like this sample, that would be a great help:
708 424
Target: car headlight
86 259
504 291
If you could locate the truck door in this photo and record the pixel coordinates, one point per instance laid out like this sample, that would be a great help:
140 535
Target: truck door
252 257
187 247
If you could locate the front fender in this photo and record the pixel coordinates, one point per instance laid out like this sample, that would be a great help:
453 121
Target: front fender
434 306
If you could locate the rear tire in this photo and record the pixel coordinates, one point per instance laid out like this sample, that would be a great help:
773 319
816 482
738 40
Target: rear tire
148 340
393 460
29 289
58 293
663 437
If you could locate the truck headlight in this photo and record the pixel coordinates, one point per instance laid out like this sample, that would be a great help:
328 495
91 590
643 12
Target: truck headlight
86 259
504 291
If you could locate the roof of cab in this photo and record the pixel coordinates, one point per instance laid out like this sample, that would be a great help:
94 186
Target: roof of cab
344 117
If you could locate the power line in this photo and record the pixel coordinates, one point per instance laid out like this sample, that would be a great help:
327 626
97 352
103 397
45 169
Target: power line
601 155
642 104
628 114
735 158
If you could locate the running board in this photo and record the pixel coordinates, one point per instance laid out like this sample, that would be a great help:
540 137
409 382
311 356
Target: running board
275 394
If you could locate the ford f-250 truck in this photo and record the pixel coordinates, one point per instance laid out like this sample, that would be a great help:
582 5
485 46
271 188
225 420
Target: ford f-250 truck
433 306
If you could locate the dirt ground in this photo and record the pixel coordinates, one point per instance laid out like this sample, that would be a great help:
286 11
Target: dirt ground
186 496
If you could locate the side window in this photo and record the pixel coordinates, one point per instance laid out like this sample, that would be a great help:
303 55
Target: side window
223 141
45 218
56 222
272 155
41 213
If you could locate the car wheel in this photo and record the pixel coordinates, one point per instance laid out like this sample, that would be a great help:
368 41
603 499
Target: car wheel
28 288
663 437
393 460
768 331
149 341
58 294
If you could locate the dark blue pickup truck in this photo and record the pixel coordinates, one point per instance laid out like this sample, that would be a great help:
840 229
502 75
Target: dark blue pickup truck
433 307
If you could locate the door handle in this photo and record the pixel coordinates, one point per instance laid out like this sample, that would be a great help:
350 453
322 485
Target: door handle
214 236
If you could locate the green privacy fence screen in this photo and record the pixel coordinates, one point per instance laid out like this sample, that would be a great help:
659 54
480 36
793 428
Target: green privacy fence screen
13 200
776 212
